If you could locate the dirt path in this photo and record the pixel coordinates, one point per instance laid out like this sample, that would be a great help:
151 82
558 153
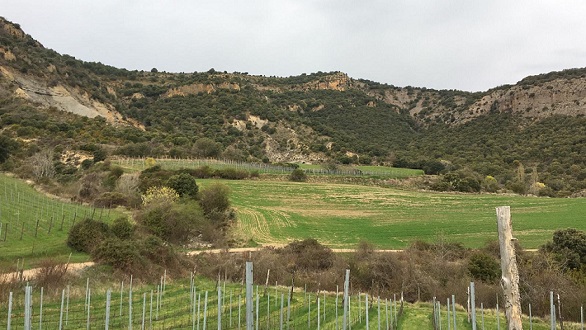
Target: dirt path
29 274
254 249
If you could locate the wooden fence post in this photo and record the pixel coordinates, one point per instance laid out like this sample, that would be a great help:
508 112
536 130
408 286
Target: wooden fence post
510 274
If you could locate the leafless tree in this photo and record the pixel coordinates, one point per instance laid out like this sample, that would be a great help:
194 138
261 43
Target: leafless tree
128 184
42 164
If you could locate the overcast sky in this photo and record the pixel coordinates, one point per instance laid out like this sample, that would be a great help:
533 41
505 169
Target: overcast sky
443 44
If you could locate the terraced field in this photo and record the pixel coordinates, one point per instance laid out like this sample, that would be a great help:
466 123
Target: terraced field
342 215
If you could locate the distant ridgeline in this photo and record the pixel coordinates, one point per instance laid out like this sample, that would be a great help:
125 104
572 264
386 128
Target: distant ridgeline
526 138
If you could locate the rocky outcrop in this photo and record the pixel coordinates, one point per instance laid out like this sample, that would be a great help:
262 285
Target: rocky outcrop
200 88
61 97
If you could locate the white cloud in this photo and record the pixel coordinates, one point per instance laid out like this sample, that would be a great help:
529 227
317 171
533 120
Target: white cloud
452 44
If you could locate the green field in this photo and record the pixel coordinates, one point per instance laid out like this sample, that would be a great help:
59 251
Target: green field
342 215
35 225
135 164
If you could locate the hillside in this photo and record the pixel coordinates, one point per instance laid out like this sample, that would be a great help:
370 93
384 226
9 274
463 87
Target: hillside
524 135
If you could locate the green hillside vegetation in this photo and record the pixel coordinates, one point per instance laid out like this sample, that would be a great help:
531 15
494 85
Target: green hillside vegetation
318 155
318 118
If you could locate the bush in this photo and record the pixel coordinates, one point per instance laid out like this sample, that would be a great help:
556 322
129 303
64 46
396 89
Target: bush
184 184
175 223
160 195
298 175
85 235
310 255
51 273
203 172
122 228
99 155
569 247
110 199
120 254
484 267
214 198
231 174
153 176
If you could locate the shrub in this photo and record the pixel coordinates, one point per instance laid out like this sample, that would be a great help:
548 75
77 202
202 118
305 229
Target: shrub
160 195
99 155
174 223
484 267
86 163
51 273
214 198
85 235
184 184
110 199
203 172
122 228
90 186
153 176
150 162
310 255
231 174
298 175
120 254
569 247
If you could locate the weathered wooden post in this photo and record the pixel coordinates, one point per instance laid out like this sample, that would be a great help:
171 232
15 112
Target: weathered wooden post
345 302
249 291
473 305
510 274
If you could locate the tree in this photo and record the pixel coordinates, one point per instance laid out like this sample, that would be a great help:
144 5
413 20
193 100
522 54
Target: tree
569 246
128 184
7 146
42 164
99 155
206 148
184 184
433 167
490 184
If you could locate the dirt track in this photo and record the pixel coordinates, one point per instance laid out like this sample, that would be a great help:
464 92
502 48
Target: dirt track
253 249
31 273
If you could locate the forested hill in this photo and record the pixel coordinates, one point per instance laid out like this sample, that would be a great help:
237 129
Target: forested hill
529 137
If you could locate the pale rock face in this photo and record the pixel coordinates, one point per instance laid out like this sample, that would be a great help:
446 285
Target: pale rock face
62 97
200 88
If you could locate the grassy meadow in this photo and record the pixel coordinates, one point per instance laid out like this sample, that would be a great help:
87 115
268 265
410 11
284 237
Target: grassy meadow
343 215
36 226
134 164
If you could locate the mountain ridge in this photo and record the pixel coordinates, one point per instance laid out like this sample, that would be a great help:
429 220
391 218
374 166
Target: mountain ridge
319 117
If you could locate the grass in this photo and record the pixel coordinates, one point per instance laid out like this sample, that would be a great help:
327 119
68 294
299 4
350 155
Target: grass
379 171
133 164
38 224
177 308
342 215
